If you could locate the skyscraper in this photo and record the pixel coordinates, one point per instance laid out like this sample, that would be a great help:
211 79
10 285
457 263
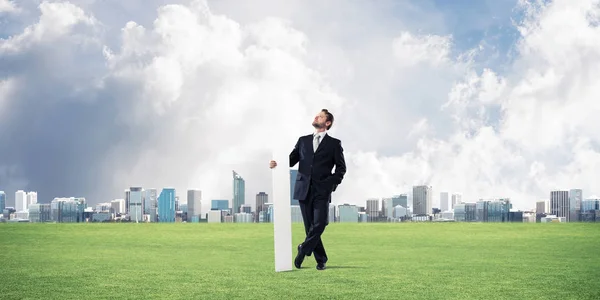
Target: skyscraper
31 199
498 210
444 201
81 204
422 200
332 214
456 199
20 201
194 204
540 207
239 192
166 205
2 201
401 200
66 210
293 175
261 199
481 210
127 193
559 203
150 203
575 197
385 202
117 206
372 210
136 212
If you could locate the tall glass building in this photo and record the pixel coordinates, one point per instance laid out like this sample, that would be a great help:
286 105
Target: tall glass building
166 205
70 211
261 199
239 192
422 200
136 212
194 204
150 199
81 205
127 193
559 203
492 210
575 197
2 201
65 210
481 211
498 210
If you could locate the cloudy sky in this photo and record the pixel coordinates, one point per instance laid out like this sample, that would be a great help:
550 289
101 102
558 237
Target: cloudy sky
487 98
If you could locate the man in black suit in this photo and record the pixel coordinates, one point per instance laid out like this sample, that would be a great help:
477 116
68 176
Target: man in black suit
316 154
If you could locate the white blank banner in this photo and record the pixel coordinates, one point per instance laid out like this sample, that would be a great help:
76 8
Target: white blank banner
282 212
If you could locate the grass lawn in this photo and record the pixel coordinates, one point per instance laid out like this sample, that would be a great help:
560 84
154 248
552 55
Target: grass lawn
235 261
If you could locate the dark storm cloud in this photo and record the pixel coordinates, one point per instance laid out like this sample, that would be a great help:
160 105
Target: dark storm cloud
62 119
54 134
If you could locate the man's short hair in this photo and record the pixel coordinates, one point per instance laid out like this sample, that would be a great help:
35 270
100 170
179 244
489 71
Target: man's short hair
329 117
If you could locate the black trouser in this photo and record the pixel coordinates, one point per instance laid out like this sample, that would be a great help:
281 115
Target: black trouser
315 213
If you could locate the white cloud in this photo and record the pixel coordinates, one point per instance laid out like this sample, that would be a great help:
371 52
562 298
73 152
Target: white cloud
56 20
8 6
412 50
199 92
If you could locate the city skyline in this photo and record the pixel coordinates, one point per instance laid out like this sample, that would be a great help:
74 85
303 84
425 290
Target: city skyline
427 199
563 206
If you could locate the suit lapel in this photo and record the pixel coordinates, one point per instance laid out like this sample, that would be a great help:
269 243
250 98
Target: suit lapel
309 141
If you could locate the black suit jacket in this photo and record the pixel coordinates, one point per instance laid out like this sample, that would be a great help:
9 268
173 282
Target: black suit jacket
315 168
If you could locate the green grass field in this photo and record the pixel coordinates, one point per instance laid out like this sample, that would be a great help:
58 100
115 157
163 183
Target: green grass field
235 261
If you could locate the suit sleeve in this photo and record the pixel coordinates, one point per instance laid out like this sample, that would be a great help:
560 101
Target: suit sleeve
340 164
295 154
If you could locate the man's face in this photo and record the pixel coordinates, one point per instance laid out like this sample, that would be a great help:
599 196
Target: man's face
320 121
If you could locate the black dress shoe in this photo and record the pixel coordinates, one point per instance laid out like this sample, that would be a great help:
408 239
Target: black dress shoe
321 266
299 257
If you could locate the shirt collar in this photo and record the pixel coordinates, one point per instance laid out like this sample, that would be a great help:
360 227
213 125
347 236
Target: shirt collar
322 133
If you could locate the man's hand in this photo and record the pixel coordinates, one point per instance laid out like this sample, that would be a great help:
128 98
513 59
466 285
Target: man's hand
272 164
